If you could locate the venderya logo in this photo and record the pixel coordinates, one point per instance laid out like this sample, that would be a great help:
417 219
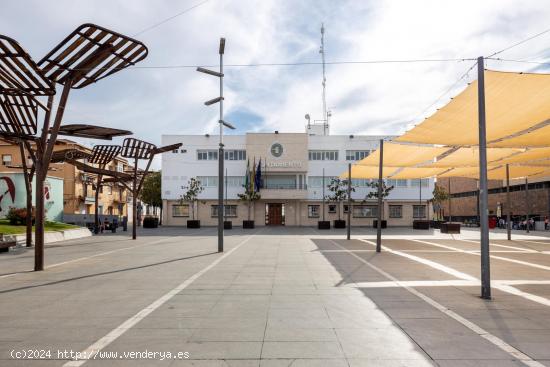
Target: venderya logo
276 150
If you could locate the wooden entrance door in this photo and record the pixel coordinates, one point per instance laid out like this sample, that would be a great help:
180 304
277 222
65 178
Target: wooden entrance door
275 214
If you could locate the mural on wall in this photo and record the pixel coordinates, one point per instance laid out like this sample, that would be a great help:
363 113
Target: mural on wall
12 194
10 189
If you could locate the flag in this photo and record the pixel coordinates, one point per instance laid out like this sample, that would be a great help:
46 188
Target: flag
247 176
258 176
253 176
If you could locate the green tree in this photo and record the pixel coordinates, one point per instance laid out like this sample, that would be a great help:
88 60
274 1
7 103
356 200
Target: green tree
439 196
193 189
339 192
151 191
249 196
374 194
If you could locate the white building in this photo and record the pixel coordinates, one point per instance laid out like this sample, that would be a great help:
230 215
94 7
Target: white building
292 175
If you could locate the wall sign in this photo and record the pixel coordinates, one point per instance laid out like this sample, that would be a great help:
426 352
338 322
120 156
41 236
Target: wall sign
276 150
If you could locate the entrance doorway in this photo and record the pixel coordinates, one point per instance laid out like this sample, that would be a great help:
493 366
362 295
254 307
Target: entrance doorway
275 214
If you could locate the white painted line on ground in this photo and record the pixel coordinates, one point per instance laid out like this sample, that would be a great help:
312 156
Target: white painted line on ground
530 241
503 246
533 265
132 321
470 325
448 270
433 264
447 283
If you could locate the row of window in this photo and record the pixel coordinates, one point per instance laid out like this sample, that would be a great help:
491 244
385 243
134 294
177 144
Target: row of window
313 155
314 211
229 155
317 182
368 211
183 210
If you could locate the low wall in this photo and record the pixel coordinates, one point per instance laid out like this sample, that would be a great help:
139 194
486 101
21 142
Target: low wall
57 236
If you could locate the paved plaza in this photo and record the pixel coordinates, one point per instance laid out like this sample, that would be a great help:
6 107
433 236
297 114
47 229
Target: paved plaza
277 297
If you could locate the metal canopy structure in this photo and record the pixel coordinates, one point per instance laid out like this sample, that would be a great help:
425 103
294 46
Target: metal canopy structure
90 53
19 74
18 115
87 55
91 131
138 149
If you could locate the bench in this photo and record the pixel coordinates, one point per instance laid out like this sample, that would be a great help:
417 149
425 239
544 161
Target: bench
5 245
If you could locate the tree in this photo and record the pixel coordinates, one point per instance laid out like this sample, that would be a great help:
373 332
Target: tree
193 189
151 191
439 196
374 194
249 196
339 192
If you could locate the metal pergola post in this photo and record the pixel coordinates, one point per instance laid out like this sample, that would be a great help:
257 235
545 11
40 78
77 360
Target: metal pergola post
508 205
96 202
134 200
450 202
349 201
380 183
483 200
221 159
527 204
323 194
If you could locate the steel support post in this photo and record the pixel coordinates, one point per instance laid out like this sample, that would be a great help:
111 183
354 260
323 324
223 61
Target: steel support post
349 201
527 204
134 200
380 183
483 197
508 205
221 158
323 193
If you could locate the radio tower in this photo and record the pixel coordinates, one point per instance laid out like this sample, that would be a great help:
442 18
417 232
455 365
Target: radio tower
326 113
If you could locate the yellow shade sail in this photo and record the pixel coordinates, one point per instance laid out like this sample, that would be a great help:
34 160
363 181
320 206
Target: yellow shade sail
416 172
514 102
463 157
536 138
497 172
401 155
534 156
365 172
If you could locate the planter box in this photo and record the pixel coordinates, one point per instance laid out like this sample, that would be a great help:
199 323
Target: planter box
421 224
450 227
227 224
248 224
339 223
436 224
323 224
193 224
375 224
148 222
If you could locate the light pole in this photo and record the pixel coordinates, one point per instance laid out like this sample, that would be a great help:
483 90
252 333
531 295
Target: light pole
221 156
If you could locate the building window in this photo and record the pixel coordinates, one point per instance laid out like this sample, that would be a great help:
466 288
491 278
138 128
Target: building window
365 211
317 181
313 211
175 151
356 155
419 211
230 211
120 167
208 181
396 183
396 211
346 208
180 210
235 155
234 181
323 155
332 208
360 182
425 182
6 159
109 190
207 155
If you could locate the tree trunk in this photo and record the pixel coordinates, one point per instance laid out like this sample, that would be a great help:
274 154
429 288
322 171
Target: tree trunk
28 239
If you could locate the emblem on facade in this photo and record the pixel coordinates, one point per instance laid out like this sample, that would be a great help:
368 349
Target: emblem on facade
276 150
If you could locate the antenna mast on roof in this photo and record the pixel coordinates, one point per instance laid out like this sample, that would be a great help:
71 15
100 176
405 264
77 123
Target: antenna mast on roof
326 113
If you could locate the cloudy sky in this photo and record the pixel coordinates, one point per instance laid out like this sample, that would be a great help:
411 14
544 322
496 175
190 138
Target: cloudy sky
163 97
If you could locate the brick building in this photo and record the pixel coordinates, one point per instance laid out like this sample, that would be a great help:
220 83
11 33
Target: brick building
464 198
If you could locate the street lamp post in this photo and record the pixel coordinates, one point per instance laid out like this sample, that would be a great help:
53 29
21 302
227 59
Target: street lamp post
221 156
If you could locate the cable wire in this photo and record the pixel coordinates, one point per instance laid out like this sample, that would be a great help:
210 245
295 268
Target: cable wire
169 19
519 43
